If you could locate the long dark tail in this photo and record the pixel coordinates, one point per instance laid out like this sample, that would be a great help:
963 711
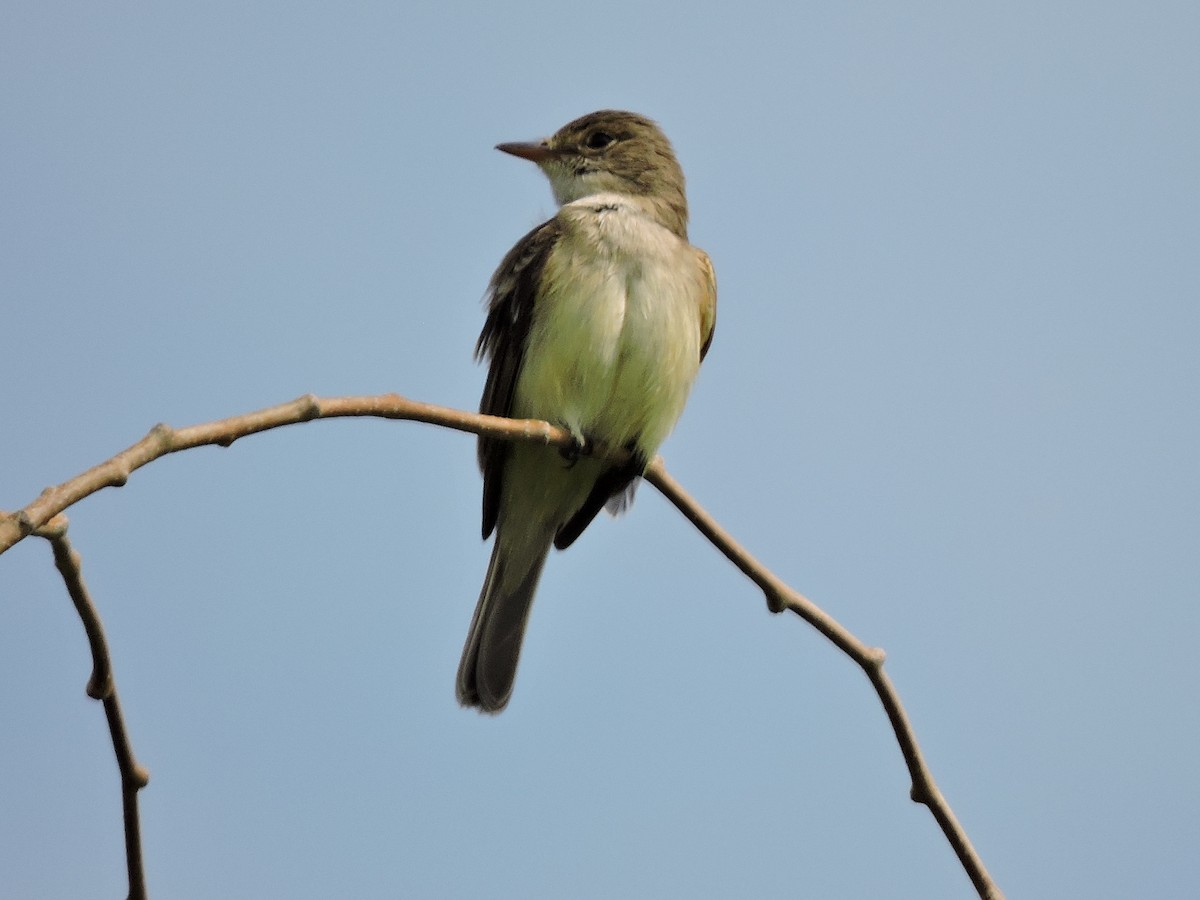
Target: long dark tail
489 661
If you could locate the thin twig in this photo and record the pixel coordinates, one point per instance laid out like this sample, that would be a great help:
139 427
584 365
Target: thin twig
780 597
103 687
163 440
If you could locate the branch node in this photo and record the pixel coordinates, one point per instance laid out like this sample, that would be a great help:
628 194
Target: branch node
876 657
310 407
775 601
100 687
163 434
139 775
25 523
918 794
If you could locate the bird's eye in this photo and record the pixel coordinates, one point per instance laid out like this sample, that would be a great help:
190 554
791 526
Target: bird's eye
598 140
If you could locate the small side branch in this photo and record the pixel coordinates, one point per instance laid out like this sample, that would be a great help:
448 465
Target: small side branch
102 686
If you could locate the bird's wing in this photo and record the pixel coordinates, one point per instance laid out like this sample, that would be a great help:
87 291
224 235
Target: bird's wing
512 295
708 303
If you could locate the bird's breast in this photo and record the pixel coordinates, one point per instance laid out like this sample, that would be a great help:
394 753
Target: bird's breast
614 344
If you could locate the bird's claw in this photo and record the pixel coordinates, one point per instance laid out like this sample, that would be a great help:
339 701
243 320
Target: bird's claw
578 447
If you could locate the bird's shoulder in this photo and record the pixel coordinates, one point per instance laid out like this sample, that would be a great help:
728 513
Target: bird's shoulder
513 288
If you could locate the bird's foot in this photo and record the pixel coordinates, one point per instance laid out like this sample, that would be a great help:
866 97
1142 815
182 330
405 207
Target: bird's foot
580 446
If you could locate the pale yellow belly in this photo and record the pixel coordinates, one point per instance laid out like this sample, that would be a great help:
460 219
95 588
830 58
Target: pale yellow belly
615 342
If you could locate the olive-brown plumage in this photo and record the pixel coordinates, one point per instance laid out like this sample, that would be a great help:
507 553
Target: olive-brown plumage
597 322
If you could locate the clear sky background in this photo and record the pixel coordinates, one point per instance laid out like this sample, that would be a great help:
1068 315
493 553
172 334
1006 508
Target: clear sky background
952 398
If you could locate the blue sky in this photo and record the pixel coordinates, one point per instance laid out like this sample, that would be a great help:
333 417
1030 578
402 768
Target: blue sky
952 398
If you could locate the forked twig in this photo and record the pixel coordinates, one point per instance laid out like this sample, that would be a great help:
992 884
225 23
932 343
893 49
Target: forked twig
39 518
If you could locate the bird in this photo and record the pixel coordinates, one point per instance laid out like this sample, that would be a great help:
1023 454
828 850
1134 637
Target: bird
597 322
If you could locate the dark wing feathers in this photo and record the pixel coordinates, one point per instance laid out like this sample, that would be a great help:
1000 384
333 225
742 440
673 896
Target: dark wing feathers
511 298
708 310
511 301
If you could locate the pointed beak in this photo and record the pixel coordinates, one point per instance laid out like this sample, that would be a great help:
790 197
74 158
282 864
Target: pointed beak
534 151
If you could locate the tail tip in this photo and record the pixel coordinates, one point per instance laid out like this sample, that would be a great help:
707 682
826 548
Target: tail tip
470 697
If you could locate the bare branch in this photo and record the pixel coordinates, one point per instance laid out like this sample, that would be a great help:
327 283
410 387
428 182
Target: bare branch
163 439
780 597
102 686
38 518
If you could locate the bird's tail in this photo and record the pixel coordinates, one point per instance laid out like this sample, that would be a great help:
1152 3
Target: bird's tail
489 661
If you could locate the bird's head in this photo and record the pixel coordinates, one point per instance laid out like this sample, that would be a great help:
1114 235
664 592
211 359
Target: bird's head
612 152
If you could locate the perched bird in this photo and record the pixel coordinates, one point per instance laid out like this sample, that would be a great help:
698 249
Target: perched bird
597 322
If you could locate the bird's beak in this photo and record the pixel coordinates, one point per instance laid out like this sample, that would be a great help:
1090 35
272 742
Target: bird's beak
534 151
